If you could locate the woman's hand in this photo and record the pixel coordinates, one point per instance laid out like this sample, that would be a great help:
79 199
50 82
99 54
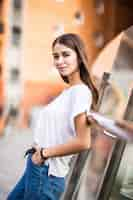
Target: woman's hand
36 157
91 120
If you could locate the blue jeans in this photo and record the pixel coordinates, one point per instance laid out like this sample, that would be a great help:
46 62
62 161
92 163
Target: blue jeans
35 184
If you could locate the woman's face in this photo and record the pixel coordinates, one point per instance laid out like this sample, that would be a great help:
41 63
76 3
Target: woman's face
65 60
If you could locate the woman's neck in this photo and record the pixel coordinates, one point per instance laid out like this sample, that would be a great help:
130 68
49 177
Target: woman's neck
74 80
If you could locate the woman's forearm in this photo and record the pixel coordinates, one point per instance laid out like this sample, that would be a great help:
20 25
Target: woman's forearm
75 145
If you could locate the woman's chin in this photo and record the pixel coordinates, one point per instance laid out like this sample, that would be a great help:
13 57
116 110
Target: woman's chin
64 74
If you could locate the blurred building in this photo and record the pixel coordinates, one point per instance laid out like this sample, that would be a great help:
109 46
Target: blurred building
27 29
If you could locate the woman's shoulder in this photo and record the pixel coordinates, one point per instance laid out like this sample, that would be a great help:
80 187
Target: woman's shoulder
77 87
80 88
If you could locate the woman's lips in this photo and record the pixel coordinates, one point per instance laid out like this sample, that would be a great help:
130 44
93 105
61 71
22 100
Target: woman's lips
62 68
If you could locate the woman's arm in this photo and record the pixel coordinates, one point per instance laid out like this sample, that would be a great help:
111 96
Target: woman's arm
118 128
126 125
81 142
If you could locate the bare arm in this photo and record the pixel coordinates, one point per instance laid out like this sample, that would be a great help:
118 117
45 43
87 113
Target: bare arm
79 143
119 128
126 125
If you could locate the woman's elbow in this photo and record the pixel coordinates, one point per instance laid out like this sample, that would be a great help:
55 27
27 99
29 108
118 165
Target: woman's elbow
86 144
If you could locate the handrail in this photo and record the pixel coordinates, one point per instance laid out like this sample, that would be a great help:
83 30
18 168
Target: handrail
121 129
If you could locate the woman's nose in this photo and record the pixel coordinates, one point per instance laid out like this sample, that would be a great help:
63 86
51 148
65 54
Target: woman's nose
60 60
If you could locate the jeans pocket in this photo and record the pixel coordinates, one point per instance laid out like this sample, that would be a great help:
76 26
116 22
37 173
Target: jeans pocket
56 191
57 186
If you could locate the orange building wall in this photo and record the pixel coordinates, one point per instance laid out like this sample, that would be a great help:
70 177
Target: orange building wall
3 39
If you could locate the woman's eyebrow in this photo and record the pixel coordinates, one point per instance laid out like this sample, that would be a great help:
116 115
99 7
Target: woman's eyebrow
66 51
56 53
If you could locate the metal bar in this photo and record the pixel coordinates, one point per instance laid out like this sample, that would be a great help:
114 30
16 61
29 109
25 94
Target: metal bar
103 86
79 161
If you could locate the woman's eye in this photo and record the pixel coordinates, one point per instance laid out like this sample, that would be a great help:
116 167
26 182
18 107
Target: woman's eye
56 57
66 54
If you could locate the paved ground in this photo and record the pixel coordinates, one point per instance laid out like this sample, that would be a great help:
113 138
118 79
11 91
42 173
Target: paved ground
12 148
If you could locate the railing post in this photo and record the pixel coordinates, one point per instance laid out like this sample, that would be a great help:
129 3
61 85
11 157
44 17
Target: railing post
79 161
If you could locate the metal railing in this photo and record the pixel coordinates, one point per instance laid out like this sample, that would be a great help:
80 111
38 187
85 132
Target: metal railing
117 137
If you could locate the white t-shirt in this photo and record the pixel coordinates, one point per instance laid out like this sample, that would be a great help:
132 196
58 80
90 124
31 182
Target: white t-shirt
55 123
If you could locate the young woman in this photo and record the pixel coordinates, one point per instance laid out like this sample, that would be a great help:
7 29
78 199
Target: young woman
61 129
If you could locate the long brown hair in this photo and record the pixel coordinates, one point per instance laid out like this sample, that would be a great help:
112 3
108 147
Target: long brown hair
74 42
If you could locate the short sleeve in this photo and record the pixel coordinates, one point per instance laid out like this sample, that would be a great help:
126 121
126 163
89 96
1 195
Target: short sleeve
81 100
